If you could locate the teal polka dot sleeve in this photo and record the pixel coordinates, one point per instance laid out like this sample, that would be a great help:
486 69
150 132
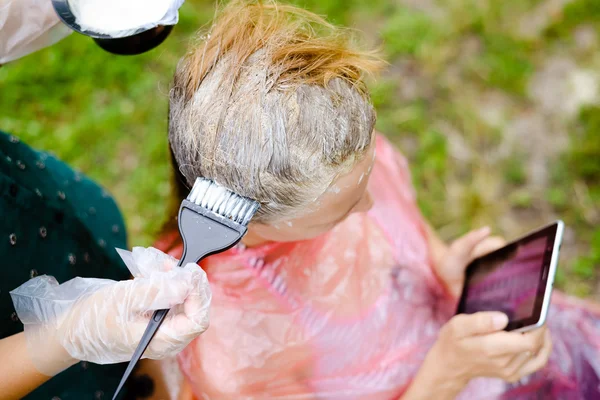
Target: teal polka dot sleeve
60 223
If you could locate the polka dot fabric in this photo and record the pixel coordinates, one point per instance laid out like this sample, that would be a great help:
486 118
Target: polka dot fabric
56 221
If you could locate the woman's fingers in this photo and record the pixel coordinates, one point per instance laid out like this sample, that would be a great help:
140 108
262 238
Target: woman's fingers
190 291
182 327
197 303
516 363
193 315
162 345
162 285
488 245
463 247
539 360
163 290
187 286
465 326
184 290
527 363
172 336
510 343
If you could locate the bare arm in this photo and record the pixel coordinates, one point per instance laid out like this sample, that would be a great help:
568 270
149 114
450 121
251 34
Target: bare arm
429 384
19 376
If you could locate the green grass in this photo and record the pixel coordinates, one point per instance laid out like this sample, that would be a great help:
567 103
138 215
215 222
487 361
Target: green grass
580 166
411 33
504 63
514 170
582 158
573 15
107 115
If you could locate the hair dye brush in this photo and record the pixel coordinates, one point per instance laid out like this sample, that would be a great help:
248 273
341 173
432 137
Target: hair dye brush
212 219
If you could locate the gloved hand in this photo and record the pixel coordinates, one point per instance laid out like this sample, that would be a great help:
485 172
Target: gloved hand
102 321
27 26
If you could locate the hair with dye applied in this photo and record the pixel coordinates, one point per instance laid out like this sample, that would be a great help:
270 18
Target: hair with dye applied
271 103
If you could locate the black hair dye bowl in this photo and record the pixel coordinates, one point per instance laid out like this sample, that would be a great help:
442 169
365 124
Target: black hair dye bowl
139 42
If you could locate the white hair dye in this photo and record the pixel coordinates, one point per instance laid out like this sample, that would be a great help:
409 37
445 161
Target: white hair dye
260 129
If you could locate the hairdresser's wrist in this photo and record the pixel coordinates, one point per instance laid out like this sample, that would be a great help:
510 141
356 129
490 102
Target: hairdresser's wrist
434 381
46 352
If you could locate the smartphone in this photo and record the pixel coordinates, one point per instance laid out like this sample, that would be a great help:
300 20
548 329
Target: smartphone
516 279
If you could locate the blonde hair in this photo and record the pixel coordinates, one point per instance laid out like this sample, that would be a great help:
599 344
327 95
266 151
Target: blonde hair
271 103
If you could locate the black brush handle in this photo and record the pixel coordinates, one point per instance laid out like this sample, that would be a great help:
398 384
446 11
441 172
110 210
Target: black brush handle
157 319
202 235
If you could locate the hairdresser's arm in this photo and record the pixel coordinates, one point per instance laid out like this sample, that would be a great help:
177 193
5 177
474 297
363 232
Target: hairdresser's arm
19 375
27 26
62 320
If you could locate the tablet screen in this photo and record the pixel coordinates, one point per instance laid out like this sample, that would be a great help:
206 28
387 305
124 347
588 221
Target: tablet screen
511 280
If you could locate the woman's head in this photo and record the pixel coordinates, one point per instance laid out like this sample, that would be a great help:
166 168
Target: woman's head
271 104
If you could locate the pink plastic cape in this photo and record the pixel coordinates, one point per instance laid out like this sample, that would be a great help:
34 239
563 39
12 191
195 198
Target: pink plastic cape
351 314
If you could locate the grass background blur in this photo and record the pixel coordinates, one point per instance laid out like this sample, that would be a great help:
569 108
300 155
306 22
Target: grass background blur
496 104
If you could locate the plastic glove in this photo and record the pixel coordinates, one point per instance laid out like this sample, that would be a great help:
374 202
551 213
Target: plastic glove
27 26
102 321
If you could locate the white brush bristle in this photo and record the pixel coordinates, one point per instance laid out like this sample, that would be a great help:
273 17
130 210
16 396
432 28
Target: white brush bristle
222 201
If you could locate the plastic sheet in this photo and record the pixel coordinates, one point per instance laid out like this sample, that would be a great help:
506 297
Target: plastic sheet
27 26
352 314
102 321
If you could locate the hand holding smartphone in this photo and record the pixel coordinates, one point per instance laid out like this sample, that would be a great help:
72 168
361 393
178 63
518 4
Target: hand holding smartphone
516 279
